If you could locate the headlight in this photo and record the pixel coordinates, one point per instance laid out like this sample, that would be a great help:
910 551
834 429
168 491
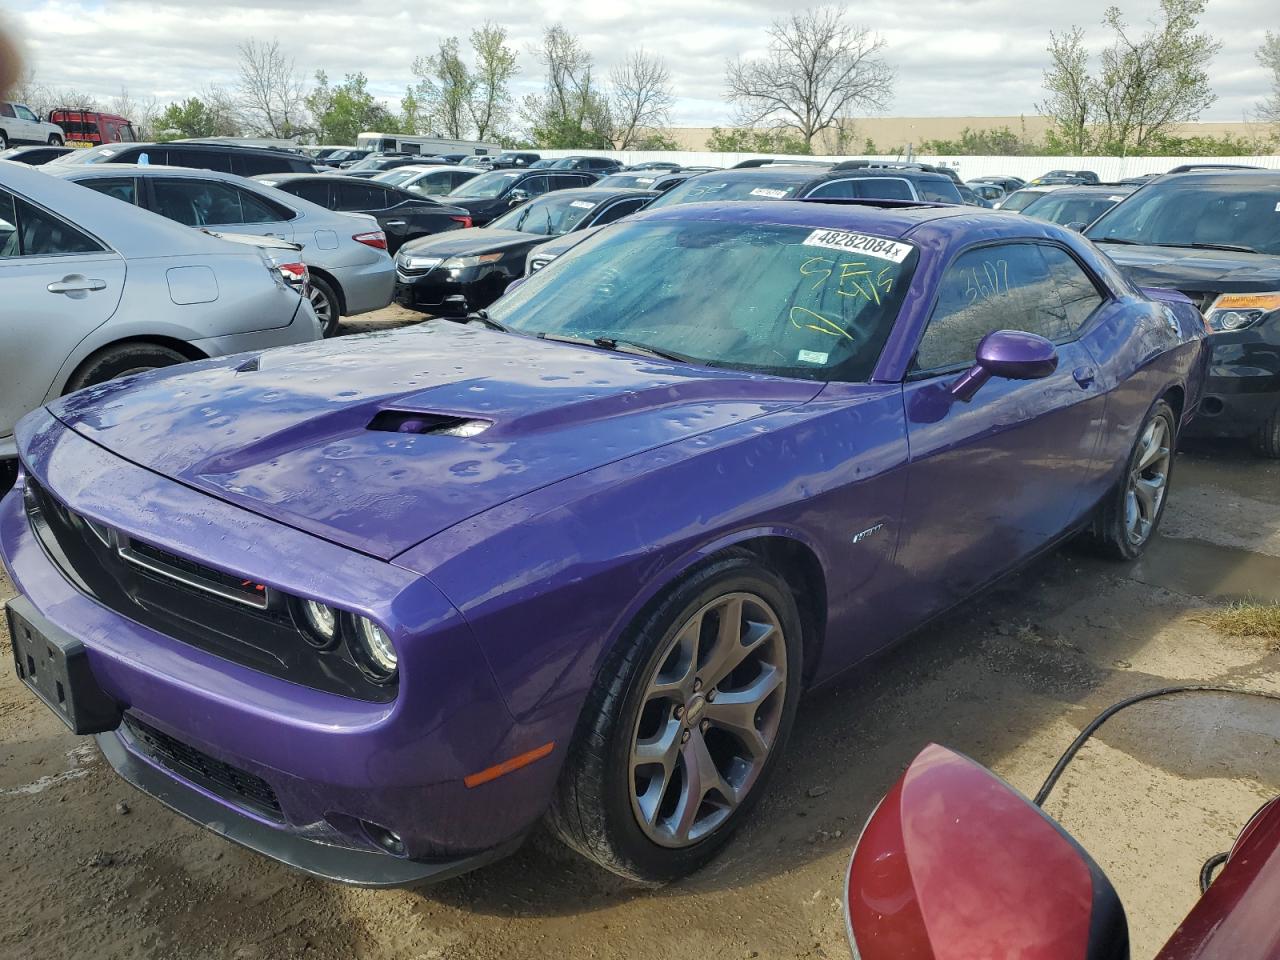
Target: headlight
462 263
322 621
375 649
1235 311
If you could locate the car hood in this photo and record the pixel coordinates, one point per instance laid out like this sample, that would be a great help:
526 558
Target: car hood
1195 270
461 243
313 436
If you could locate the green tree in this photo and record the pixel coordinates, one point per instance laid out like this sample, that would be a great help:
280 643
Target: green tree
490 104
997 142
193 117
344 111
1142 87
757 140
462 100
572 112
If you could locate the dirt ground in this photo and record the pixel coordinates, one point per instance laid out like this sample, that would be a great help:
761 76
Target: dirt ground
94 869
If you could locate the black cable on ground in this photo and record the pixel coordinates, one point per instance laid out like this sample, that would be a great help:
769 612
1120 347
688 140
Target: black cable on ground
1069 754
1206 871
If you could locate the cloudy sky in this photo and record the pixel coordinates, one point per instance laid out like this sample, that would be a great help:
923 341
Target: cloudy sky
953 57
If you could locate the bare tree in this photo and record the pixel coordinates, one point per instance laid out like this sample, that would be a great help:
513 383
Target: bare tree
271 95
42 97
571 112
641 98
489 104
1070 101
818 69
1269 57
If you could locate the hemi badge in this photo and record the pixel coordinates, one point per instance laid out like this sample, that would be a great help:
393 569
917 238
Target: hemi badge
858 537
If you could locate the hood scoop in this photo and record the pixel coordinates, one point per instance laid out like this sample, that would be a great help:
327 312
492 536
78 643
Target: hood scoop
427 424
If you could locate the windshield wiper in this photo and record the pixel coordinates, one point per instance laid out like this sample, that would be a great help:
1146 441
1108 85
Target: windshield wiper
482 316
1232 247
1132 243
616 345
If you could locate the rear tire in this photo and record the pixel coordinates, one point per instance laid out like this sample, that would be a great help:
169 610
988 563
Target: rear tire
1266 442
326 304
122 360
4 140
1130 513
657 780
55 140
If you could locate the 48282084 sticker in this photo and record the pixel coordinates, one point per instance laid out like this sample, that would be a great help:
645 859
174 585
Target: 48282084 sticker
880 247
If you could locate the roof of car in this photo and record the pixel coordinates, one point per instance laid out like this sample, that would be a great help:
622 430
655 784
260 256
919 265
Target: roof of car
1090 189
1223 174
288 177
86 171
885 218
597 193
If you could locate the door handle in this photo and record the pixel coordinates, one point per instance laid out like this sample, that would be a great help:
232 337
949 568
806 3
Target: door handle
76 284
1084 375
395 223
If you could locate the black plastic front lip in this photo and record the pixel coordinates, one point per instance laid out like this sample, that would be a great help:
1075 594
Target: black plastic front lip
358 868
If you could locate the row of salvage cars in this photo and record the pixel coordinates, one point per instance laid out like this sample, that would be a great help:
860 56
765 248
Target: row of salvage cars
377 606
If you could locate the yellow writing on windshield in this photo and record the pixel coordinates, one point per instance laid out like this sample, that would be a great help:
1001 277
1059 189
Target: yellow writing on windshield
802 318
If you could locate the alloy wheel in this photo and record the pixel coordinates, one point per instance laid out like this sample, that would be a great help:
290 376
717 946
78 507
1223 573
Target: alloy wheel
709 719
1148 481
322 305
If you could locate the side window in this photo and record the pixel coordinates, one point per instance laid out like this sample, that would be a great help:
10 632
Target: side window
836 189
25 113
885 188
356 196
317 191
198 160
252 164
1000 287
619 210
1079 294
537 186
28 231
6 109
122 188
197 203
938 191
384 198
258 209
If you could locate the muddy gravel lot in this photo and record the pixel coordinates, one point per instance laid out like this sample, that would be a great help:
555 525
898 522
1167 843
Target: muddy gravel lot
94 869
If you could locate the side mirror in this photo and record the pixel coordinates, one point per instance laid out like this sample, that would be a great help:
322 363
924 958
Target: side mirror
1077 225
517 196
1010 354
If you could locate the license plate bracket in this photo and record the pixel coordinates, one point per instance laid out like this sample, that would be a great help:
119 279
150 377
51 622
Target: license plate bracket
55 667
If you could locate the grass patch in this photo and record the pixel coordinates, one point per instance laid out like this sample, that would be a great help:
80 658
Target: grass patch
1261 620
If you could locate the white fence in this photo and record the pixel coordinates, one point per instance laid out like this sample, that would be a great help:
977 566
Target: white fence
1107 168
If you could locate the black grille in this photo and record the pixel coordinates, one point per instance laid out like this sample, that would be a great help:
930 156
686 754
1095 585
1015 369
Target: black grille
193 603
231 783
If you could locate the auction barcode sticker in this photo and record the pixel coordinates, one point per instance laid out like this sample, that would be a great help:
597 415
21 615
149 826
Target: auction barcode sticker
582 205
768 192
880 247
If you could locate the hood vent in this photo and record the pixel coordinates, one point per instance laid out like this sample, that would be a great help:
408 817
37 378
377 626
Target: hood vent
432 424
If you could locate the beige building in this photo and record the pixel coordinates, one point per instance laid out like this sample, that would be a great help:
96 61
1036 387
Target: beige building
891 132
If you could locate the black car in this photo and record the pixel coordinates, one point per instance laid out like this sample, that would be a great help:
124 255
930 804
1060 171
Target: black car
338 157
403 216
1066 176
227 158
1077 206
1214 236
653 179
1006 183
600 165
378 162
847 181
654 165
466 271
971 197
494 193
35 156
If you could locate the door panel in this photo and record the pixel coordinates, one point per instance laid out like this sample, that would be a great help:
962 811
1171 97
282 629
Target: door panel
39 328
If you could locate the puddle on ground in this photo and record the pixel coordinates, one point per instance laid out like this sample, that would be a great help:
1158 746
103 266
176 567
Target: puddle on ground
1201 569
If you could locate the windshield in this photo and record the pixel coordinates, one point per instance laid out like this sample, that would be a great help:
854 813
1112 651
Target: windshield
92 155
786 300
398 176
1057 208
549 216
1021 198
1238 210
487 185
641 179
711 187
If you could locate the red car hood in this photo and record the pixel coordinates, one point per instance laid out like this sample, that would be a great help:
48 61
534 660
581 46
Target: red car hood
311 435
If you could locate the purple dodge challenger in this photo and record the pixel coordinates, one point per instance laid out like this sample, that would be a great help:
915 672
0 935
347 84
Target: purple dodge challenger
376 606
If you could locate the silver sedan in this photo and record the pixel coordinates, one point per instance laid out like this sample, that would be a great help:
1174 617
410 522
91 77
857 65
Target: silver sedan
346 253
91 290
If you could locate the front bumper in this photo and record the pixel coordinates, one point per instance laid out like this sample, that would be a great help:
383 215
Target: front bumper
1242 389
428 291
338 768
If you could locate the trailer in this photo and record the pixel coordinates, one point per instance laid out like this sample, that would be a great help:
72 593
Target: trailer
432 146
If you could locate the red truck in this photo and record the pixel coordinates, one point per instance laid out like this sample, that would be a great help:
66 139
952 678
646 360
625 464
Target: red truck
89 127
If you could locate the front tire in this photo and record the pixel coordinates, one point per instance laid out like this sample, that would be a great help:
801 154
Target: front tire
55 140
4 140
684 726
122 360
1129 515
1266 442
